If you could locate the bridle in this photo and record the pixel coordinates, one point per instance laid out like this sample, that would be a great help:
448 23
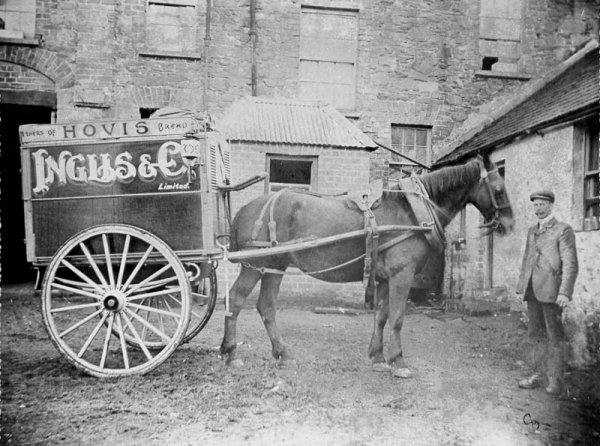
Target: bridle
491 218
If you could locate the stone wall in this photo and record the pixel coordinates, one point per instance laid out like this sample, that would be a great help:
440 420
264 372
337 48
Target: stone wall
417 60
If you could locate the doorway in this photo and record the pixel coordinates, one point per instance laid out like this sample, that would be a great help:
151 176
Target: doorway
15 268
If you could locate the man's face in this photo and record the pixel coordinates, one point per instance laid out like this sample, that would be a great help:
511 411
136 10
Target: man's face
542 208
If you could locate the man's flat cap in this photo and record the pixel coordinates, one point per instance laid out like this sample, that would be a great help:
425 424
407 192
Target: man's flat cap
543 195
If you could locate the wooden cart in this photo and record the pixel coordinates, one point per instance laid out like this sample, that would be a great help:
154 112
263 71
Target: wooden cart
128 220
124 218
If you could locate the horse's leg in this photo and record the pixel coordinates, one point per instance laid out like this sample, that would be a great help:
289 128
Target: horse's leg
379 321
269 289
240 290
399 287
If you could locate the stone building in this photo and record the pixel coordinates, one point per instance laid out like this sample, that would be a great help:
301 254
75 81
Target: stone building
405 72
546 137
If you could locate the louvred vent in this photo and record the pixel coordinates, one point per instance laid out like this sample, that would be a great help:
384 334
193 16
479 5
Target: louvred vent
219 166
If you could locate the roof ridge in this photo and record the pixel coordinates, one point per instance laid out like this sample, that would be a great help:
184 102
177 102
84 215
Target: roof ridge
282 100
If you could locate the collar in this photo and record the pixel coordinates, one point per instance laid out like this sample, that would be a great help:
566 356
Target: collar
545 222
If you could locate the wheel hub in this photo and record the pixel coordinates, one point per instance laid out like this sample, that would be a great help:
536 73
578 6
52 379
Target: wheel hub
113 301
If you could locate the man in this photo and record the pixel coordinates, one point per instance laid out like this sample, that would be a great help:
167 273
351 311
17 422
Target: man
547 278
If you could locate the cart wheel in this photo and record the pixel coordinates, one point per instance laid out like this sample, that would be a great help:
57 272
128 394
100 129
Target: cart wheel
202 305
109 292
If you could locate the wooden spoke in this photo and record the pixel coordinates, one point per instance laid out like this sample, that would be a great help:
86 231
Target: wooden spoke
138 266
111 276
74 307
122 338
92 336
147 279
155 284
77 291
93 264
153 294
148 325
80 323
136 336
81 275
111 321
83 285
123 261
154 310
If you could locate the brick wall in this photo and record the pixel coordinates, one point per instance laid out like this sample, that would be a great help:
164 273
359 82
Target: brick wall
18 77
339 170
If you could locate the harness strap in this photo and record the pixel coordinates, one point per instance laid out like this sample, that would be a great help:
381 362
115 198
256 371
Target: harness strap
272 225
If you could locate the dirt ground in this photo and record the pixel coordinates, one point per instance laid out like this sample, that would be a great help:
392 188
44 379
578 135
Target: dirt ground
464 391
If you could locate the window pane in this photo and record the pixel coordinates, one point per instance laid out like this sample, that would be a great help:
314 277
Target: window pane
409 138
592 137
592 187
422 137
290 171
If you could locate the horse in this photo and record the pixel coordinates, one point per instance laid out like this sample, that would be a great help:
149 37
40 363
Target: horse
291 217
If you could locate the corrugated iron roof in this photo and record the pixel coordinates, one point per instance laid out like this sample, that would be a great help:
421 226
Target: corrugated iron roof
270 120
570 88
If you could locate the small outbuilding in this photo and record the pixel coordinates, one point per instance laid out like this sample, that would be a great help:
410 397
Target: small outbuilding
306 145
546 137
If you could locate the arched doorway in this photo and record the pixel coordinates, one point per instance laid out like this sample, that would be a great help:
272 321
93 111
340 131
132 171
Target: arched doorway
15 268
31 99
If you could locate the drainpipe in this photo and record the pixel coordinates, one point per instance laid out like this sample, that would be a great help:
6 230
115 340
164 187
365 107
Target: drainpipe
252 34
206 55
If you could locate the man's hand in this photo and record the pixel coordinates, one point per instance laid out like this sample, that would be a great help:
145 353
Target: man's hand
562 300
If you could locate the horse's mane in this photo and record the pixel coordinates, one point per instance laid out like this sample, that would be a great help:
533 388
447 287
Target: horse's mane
449 178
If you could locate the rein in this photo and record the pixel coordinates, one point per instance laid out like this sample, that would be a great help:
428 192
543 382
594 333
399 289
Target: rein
492 217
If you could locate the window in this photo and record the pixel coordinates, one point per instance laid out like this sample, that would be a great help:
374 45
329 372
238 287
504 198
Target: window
172 28
18 18
290 171
500 26
591 175
328 44
415 143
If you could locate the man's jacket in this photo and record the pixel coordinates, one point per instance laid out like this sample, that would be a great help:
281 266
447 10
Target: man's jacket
550 261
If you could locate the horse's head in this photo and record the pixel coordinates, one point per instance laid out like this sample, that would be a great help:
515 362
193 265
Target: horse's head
491 199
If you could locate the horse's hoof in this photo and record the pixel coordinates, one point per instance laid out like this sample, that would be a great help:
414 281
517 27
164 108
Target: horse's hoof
403 372
381 367
236 363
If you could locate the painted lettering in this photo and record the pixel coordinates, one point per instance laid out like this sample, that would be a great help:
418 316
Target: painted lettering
104 169
89 130
76 171
69 130
112 128
141 128
124 168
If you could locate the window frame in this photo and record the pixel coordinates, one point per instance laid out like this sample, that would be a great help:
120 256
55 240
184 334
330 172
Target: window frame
153 51
279 157
402 164
21 35
309 8
590 134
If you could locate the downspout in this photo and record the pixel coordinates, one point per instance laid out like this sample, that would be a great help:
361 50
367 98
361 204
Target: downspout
206 55
252 34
